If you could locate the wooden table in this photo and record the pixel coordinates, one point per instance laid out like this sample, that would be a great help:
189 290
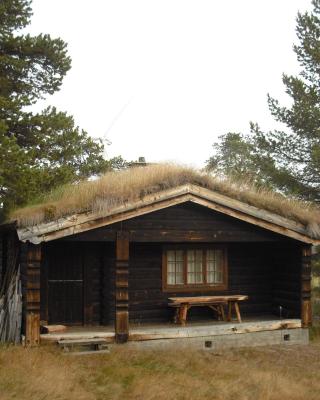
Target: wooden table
216 303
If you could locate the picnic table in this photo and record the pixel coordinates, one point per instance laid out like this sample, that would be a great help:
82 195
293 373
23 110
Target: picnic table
216 303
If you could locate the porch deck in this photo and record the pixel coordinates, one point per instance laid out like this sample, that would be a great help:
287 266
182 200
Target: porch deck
201 329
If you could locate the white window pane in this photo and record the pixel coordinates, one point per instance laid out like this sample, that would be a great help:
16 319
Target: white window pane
194 266
171 267
179 255
190 266
210 266
210 255
171 279
191 256
171 256
219 277
210 277
179 267
175 267
198 266
179 273
214 266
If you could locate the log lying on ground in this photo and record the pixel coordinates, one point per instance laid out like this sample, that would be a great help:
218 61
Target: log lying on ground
53 328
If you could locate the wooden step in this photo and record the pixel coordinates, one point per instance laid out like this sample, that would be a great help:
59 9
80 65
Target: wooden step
93 345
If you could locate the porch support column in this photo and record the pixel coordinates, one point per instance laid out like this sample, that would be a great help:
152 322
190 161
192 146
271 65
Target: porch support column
306 312
32 295
122 283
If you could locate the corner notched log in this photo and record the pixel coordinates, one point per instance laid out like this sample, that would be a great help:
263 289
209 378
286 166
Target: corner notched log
306 312
32 307
122 294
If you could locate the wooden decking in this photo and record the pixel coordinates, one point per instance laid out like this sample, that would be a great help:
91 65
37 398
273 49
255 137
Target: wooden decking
172 331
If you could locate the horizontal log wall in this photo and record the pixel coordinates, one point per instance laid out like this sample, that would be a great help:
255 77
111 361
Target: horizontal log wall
268 273
250 273
261 263
186 222
286 280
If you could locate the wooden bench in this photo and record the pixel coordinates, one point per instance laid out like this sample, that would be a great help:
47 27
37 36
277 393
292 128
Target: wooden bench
216 303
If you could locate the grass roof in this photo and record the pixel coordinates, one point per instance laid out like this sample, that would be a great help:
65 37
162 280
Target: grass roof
117 188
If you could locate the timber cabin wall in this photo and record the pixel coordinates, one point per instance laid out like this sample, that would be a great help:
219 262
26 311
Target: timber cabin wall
263 265
251 271
286 282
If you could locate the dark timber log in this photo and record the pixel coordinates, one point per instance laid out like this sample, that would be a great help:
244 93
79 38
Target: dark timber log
122 293
306 313
32 308
183 223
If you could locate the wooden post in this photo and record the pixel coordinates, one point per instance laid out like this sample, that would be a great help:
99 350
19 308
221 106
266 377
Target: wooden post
306 312
122 283
32 307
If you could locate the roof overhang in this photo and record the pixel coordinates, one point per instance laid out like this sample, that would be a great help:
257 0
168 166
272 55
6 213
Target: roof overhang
83 222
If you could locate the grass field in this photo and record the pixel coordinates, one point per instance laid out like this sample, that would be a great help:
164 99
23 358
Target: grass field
277 372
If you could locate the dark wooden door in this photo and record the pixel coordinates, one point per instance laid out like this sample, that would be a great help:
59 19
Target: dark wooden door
65 284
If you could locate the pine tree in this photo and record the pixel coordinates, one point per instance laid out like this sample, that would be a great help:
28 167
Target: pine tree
38 151
288 160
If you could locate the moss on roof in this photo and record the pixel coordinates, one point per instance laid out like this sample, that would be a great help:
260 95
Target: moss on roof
117 188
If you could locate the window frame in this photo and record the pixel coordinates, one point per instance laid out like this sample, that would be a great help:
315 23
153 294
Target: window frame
194 286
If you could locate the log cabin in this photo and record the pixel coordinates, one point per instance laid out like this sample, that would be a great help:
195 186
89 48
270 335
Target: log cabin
106 256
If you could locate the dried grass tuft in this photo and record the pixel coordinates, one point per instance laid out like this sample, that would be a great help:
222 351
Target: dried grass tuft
117 188
267 373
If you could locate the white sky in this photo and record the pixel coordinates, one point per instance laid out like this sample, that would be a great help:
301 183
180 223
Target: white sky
162 79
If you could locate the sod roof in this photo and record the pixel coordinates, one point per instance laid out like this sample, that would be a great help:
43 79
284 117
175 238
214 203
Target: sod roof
116 189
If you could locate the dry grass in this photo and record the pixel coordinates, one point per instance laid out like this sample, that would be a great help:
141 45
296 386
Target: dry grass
273 373
117 188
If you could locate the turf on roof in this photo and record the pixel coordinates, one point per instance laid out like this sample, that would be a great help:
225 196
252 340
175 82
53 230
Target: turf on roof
118 188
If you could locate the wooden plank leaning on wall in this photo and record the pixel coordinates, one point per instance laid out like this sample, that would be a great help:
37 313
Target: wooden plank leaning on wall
306 311
122 284
30 263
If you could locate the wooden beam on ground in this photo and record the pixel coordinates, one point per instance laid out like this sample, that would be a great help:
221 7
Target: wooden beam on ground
32 297
122 283
306 311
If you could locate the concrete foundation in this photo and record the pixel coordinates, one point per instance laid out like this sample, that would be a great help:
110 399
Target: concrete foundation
284 337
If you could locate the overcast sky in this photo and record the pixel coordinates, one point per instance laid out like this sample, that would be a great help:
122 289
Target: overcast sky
163 79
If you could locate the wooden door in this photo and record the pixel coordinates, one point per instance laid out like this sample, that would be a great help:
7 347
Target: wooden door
65 284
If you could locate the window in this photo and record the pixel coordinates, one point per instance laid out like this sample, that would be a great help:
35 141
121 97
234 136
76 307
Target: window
194 269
